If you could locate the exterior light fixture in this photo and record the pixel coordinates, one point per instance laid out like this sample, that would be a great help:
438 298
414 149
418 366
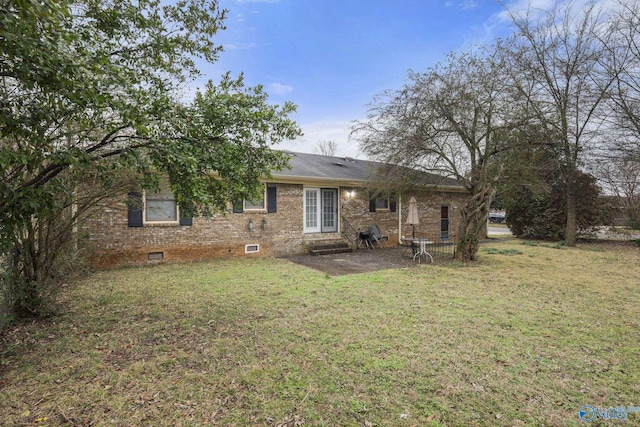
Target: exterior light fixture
263 224
251 225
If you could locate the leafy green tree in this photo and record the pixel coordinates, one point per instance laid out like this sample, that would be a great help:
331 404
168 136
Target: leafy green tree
535 202
91 92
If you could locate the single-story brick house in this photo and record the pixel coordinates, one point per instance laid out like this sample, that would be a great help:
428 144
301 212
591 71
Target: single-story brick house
319 199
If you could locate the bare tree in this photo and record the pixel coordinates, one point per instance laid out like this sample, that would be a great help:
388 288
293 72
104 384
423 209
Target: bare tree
48 250
622 179
619 168
623 61
557 66
326 148
455 120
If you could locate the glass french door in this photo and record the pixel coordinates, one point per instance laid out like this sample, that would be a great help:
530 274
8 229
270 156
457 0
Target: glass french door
320 210
329 208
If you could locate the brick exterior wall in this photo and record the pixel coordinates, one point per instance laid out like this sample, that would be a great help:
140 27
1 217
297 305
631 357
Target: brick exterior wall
355 209
112 242
429 212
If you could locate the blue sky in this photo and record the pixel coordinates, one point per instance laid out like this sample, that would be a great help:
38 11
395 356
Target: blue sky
331 57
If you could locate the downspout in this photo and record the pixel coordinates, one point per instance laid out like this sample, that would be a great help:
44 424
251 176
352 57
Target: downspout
399 220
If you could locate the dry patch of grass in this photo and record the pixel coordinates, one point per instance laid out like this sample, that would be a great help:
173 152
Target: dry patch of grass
527 335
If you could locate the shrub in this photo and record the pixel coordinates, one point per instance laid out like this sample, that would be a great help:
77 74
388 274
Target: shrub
542 214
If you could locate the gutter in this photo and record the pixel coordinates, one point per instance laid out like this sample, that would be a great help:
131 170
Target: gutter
293 179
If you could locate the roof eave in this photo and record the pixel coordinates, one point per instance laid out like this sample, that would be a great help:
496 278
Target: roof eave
293 179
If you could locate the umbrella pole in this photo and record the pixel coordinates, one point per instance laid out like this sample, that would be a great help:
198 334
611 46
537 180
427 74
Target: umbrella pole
413 243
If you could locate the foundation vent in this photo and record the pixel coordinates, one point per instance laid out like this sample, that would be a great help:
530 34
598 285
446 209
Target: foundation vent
155 256
251 249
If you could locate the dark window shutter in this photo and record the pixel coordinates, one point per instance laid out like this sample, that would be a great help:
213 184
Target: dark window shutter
237 206
372 202
272 203
393 205
135 210
186 220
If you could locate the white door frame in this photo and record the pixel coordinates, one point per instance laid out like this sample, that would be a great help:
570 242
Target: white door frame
313 210
329 218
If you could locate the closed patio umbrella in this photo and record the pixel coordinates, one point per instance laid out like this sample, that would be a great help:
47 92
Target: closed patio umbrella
412 217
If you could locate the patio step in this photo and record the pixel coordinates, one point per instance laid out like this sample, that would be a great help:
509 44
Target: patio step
330 248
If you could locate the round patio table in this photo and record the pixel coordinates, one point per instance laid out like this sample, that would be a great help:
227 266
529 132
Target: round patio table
422 249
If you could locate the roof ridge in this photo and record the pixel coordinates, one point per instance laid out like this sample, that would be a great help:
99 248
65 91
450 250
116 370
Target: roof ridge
321 168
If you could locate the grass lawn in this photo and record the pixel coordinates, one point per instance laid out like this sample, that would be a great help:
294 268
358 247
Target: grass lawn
527 335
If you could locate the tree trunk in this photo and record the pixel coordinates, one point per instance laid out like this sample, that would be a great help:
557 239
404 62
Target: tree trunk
473 219
26 284
570 230
42 252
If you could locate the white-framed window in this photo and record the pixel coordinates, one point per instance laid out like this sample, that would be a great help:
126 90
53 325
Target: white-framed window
160 207
266 202
382 203
150 208
257 204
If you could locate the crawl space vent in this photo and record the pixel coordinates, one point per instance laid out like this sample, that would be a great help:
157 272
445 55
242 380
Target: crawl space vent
253 248
155 256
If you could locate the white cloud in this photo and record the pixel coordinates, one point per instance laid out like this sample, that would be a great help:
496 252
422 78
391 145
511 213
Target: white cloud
280 89
240 46
522 7
501 24
462 5
327 129
537 7
468 5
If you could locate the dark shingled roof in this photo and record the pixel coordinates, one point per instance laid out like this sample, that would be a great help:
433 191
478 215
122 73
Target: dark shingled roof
304 165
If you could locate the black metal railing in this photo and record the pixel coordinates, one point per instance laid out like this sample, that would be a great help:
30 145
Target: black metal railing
436 245
349 232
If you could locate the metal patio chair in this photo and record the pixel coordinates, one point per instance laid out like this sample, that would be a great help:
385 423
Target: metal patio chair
372 236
